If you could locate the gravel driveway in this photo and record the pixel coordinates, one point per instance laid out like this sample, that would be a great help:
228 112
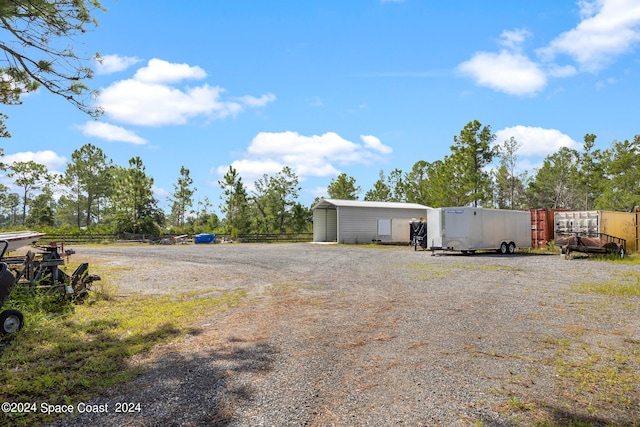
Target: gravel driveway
355 336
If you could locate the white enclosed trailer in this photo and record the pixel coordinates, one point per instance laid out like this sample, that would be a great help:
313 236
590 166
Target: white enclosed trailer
470 229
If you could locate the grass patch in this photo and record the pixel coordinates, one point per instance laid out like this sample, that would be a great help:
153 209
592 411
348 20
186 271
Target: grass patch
67 353
625 283
599 376
427 271
629 258
430 271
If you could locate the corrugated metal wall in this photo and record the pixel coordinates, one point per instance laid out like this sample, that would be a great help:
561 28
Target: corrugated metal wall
542 226
620 224
360 224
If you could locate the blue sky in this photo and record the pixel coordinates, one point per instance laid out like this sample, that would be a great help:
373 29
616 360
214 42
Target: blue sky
338 86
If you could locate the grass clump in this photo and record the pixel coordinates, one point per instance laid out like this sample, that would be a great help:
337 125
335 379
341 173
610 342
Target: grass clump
625 283
69 353
605 375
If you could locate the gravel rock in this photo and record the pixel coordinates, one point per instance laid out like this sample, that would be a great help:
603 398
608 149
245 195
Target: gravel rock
359 336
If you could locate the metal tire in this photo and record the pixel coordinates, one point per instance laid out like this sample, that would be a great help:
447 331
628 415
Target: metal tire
11 321
511 249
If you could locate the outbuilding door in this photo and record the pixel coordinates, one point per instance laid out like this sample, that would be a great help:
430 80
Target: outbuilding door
325 225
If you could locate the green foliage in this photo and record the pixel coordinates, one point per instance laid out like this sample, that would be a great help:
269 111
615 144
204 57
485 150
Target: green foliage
41 210
591 178
381 192
626 283
38 51
274 200
445 187
113 199
89 177
471 153
416 183
135 206
623 172
343 187
235 204
388 189
555 184
509 186
182 198
29 176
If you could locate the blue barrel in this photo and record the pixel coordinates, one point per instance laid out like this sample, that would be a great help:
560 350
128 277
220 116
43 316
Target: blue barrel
205 238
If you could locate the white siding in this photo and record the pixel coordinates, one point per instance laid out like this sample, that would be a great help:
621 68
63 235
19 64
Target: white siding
360 224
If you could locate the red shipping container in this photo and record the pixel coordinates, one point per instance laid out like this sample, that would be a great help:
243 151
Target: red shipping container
542 226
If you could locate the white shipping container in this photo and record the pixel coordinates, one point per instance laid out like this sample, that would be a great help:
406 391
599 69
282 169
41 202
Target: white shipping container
469 229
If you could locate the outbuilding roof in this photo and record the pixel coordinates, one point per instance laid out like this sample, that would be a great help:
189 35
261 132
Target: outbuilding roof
326 203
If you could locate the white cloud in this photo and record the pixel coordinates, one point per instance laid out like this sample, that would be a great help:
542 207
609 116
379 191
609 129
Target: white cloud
511 73
561 71
252 168
160 192
609 28
508 71
144 104
588 8
374 143
252 101
110 132
148 99
113 63
308 156
536 142
513 39
50 159
160 71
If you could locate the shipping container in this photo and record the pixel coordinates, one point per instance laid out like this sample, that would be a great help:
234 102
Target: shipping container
542 226
637 239
468 229
622 225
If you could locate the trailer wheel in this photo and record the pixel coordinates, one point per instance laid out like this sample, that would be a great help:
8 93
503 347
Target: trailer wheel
503 248
11 321
512 248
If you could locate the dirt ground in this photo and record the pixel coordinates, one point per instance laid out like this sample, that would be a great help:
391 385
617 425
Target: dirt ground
358 336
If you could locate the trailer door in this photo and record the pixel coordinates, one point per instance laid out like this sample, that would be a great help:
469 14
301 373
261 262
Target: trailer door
457 224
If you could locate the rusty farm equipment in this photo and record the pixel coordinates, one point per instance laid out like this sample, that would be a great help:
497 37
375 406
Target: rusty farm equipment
40 270
599 243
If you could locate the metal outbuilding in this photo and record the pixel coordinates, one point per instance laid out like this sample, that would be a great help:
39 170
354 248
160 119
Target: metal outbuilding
359 221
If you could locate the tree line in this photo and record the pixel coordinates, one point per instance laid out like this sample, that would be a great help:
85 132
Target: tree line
109 198
480 172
